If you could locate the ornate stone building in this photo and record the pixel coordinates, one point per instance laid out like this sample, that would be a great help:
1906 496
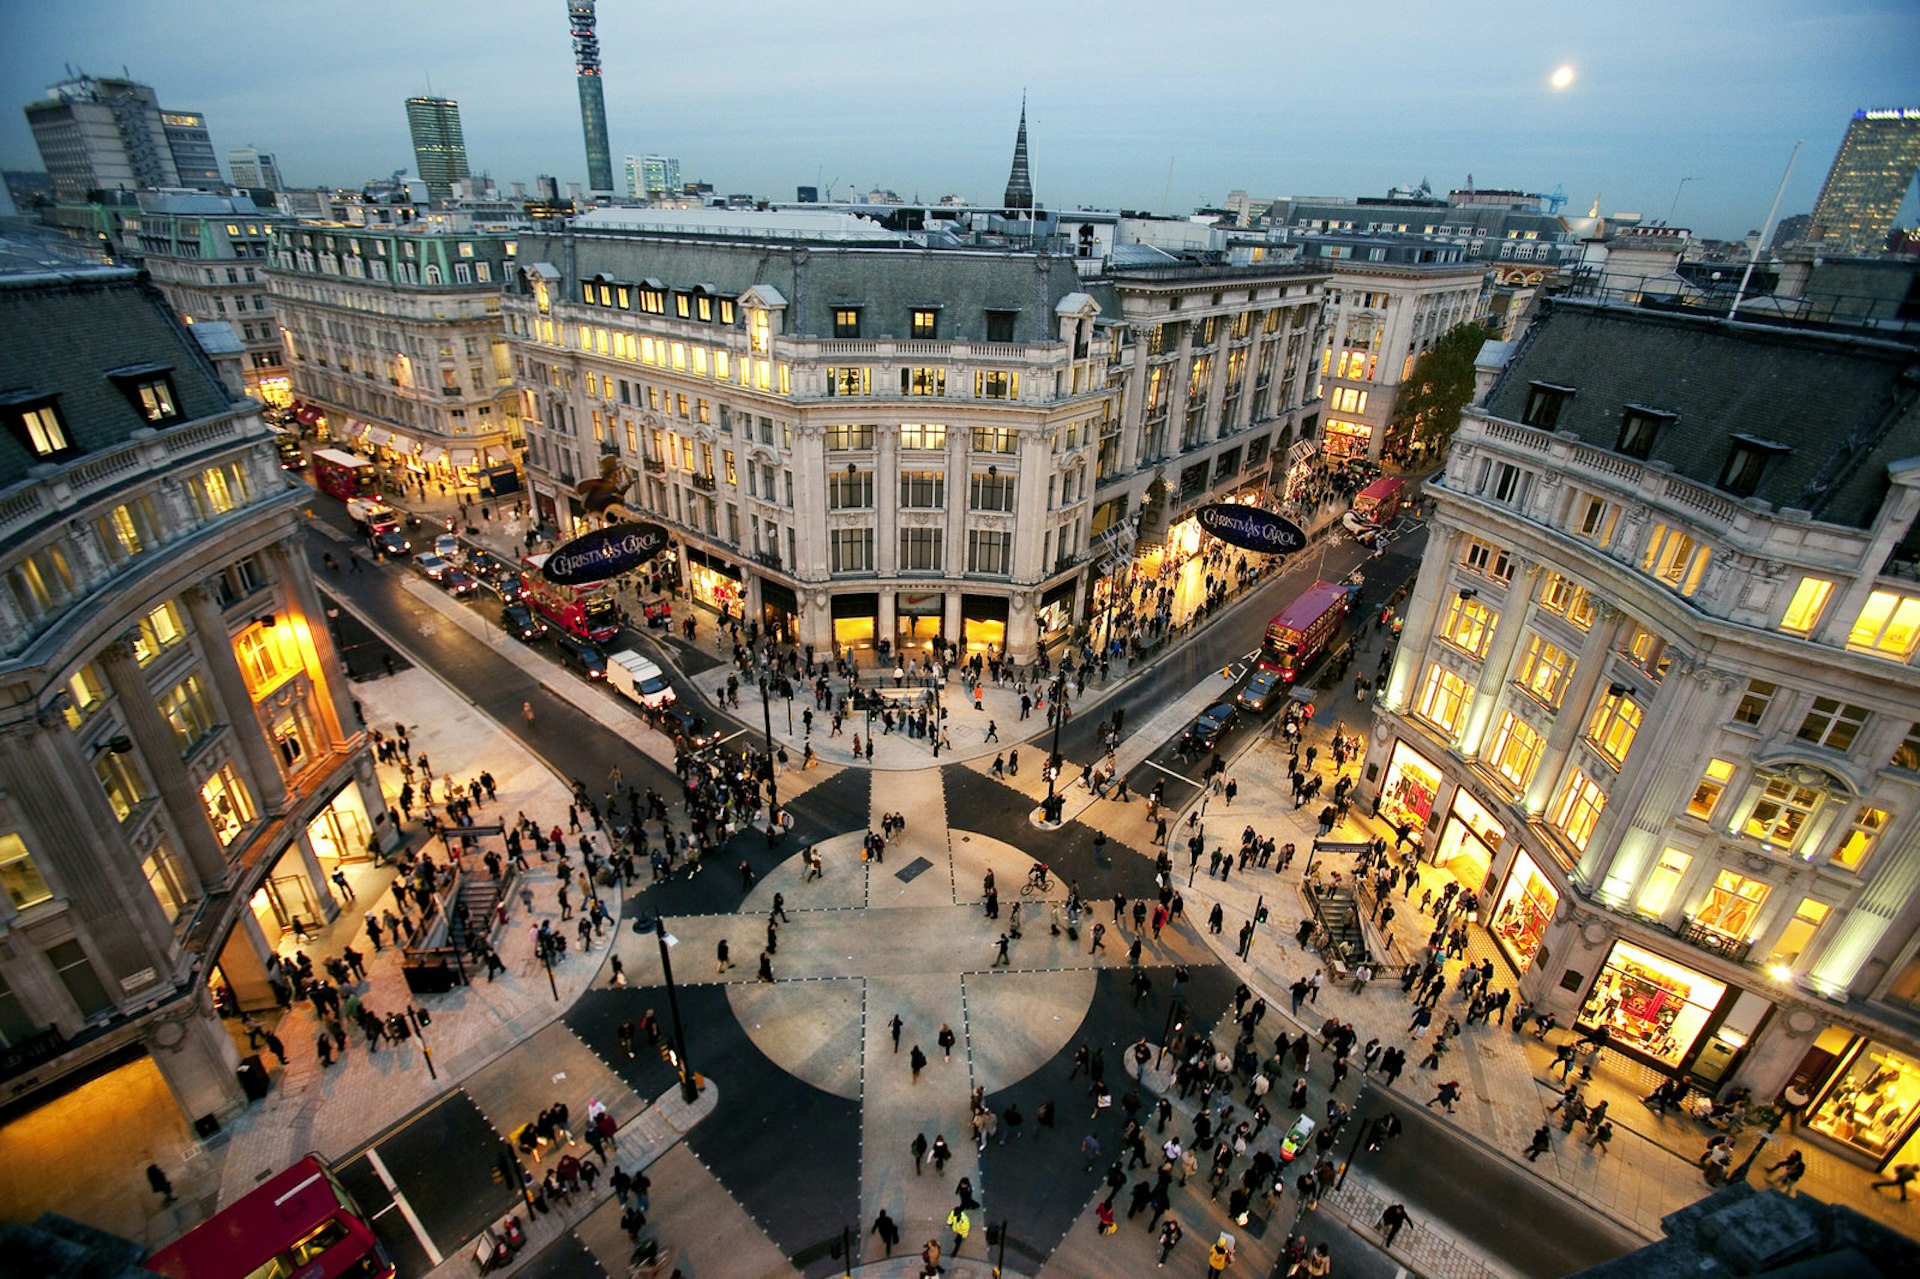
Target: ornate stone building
1655 699
180 763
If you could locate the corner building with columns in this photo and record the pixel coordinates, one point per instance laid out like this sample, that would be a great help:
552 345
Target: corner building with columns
860 440
1655 700
181 767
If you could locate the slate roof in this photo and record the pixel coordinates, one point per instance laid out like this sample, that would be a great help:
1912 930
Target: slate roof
886 284
1844 405
65 331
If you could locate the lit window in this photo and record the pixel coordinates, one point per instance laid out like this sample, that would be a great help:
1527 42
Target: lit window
990 384
923 381
1858 842
1782 813
1487 560
268 656
846 322
1575 603
1578 808
1516 751
926 323
1469 626
1887 624
1676 559
1545 670
1832 723
125 789
1594 520
24 883
1713 784
995 439
158 631
45 435
759 330
229 808
1732 905
1658 892
121 533
1809 601
849 381
1615 723
1800 932
923 435
86 693
1443 700
849 436
188 711
1754 702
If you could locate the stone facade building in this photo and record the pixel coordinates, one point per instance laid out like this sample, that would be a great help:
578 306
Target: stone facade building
180 764
858 440
1655 700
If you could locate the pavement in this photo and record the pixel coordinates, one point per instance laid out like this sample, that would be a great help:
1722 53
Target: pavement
865 942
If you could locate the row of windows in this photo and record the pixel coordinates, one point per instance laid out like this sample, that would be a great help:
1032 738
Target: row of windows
989 552
923 323
988 384
1640 428
859 437
34 416
654 299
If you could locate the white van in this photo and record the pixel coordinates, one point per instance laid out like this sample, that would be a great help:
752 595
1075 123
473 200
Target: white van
639 679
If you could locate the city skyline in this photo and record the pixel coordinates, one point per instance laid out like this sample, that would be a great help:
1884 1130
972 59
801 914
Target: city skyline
1644 111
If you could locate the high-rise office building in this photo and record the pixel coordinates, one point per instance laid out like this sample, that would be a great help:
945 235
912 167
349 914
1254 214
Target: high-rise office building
254 168
1870 178
593 103
108 134
656 175
439 147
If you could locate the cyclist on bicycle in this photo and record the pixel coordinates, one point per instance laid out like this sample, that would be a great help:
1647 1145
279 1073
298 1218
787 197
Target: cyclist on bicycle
1038 876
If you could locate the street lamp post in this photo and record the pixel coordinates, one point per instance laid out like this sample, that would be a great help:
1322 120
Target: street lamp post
773 784
1765 1139
1166 1032
689 1092
1051 805
546 958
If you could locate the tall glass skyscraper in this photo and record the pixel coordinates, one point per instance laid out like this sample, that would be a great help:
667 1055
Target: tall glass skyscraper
439 147
1869 180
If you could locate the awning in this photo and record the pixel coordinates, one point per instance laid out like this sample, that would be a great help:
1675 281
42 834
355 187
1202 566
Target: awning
308 415
403 444
461 457
378 435
438 456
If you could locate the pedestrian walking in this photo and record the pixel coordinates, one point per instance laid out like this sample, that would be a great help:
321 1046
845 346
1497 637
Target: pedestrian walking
889 1233
157 1179
720 951
1541 1143
1391 1222
946 1040
919 1148
918 1060
896 1025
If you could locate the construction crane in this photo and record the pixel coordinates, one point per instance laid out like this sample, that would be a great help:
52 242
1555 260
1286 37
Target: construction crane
1556 201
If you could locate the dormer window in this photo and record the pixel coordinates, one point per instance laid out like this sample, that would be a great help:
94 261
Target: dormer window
1545 402
1640 427
846 321
149 387
1747 460
925 323
35 420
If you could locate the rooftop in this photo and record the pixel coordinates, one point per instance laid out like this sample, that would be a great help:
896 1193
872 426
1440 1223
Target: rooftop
751 224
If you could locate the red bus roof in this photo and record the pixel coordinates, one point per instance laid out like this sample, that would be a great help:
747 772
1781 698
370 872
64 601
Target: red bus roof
1380 488
1311 605
240 1237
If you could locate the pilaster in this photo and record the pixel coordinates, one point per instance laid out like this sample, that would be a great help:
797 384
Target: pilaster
236 701
160 752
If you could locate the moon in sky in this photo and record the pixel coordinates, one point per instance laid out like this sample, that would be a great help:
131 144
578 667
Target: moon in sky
1562 77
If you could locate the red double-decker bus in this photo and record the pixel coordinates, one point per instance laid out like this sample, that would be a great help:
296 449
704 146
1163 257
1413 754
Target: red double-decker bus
1302 630
585 611
343 475
301 1224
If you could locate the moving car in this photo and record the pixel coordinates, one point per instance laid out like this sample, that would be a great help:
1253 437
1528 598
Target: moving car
522 622
677 720
432 565
1261 693
1213 724
636 677
394 545
459 582
507 586
447 546
581 655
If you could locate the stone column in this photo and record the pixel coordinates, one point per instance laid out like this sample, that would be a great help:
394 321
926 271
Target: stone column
324 666
1570 719
243 962
160 751
196 1057
230 691
1493 671
316 875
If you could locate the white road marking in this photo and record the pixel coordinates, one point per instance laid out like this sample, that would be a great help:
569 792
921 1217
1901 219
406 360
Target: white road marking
406 1209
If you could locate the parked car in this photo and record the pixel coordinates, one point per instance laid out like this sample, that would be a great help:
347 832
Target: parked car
459 582
432 565
522 622
581 655
1214 723
485 565
1261 693
393 545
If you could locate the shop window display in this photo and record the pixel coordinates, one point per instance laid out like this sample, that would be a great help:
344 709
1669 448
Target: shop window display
1869 1101
1408 792
1652 1005
1525 908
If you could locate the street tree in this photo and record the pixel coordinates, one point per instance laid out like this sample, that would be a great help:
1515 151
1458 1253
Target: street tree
1428 410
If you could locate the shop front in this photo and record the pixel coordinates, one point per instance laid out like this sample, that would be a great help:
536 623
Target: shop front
713 582
1407 793
341 833
856 615
1864 1097
779 611
1523 911
1055 617
918 616
1469 841
983 623
1346 439
1656 1009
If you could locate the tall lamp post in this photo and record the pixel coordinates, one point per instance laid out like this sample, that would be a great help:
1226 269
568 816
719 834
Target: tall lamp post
773 784
1051 806
689 1092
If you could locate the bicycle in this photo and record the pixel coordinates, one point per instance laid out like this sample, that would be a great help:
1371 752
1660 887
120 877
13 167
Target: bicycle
1038 881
